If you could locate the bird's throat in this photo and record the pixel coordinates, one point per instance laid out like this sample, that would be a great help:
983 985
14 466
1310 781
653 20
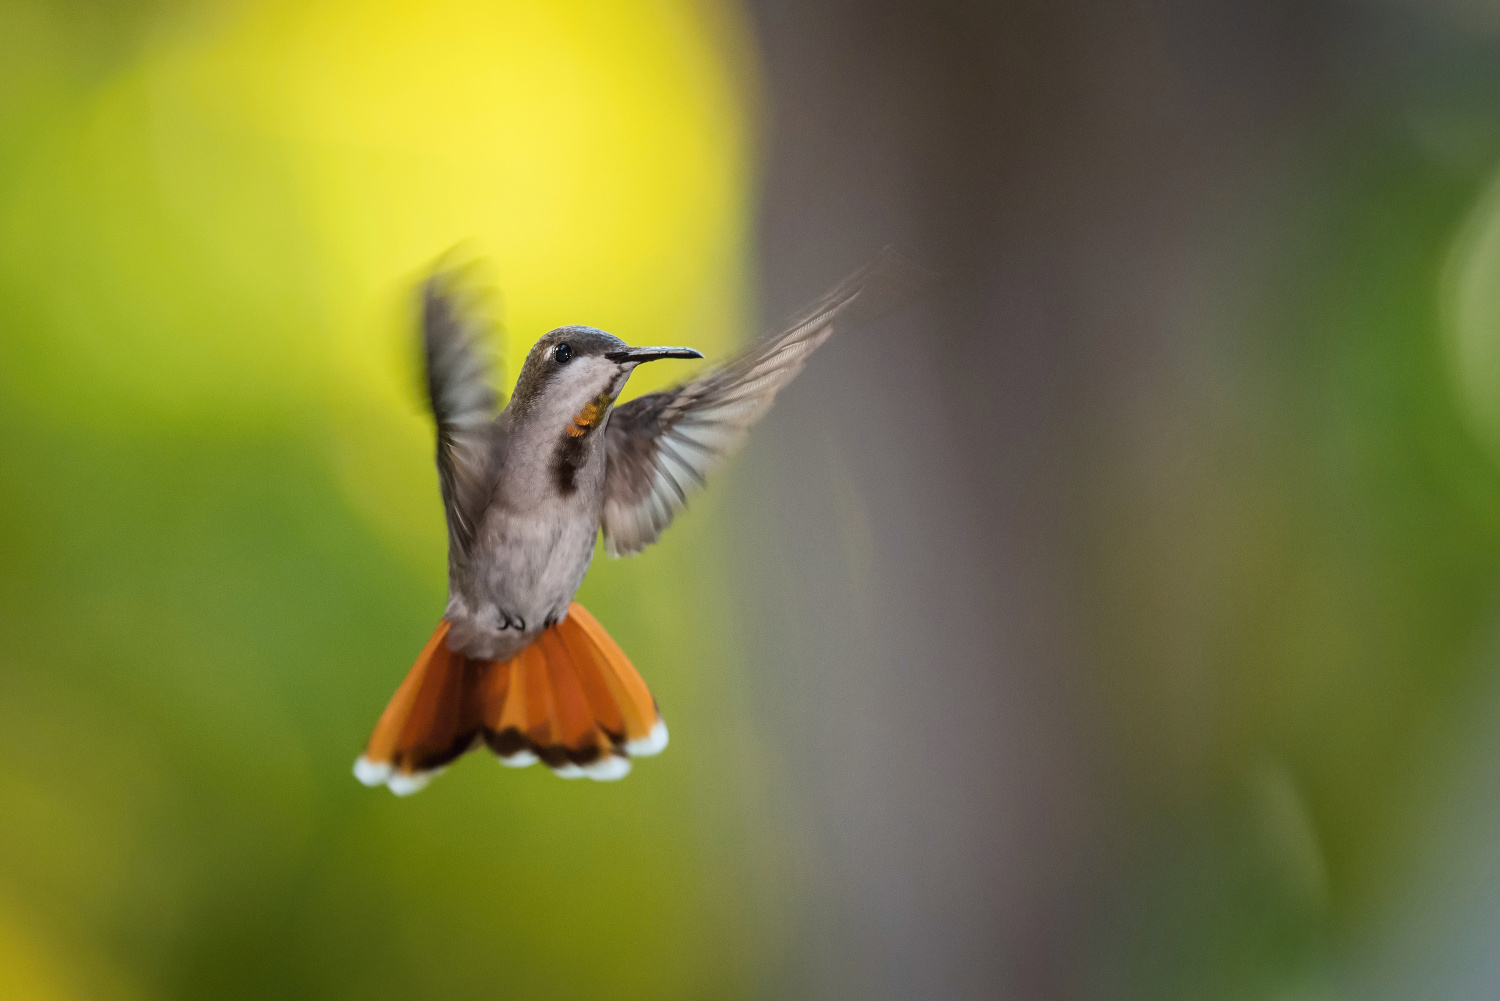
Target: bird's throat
571 450
589 417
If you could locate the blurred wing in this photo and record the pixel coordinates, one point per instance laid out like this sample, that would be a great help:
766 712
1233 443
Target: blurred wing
457 338
662 445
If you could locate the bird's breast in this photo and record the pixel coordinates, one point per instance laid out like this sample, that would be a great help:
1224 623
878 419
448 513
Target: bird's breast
522 572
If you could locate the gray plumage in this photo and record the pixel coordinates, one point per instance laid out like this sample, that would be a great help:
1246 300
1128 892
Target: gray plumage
526 490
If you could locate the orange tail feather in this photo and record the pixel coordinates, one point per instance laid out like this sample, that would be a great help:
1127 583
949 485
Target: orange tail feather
571 699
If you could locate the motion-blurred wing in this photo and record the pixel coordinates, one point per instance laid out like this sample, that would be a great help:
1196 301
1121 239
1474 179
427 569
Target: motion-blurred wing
458 336
661 446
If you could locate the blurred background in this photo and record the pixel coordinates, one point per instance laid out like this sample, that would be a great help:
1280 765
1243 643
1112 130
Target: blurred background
1121 622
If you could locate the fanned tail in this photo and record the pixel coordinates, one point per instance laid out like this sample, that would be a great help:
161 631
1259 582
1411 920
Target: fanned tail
571 699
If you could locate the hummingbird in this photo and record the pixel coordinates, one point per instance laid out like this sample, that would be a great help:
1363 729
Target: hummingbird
515 664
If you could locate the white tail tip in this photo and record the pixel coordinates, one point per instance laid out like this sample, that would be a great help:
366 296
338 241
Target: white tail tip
610 769
520 759
653 743
405 785
369 773
375 774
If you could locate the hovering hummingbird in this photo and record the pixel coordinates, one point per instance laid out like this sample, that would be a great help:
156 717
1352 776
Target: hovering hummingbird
516 664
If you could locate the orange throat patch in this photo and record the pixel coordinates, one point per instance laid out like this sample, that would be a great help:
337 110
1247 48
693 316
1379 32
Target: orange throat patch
589 417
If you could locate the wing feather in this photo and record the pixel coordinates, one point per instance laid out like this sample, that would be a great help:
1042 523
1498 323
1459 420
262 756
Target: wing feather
458 338
662 445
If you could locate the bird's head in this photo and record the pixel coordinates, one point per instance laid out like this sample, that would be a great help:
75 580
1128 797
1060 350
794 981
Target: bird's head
573 374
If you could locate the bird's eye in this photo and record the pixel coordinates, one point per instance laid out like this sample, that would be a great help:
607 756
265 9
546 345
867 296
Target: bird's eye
563 353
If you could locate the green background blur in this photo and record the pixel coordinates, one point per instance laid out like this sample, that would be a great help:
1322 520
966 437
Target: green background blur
221 544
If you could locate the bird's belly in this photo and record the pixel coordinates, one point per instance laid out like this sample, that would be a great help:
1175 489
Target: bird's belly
523 573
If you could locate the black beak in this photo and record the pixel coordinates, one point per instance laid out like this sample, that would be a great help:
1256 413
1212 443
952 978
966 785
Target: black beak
639 355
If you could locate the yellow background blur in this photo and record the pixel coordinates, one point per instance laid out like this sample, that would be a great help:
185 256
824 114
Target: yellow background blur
221 525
